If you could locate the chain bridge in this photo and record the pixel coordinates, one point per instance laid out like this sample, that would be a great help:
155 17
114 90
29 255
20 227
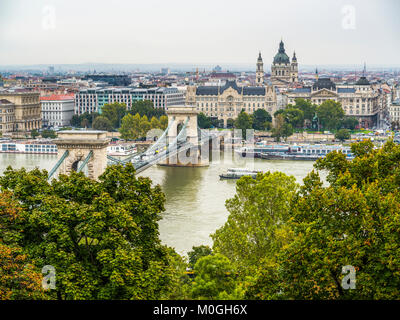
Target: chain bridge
182 143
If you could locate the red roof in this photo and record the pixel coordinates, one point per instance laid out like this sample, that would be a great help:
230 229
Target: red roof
56 97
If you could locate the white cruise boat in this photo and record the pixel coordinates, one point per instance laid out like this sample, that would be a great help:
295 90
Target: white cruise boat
121 149
237 173
28 146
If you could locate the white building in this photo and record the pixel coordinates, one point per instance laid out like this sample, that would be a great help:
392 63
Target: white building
57 110
93 100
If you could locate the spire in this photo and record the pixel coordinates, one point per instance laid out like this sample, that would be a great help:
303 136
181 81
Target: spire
365 69
259 56
316 73
281 47
294 56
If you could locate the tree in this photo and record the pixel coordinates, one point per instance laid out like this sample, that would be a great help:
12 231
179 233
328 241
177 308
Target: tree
102 123
164 122
281 129
350 123
100 236
19 278
294 117
197 253
243 122
203 121
230 123
146 108
49 134
354 221
114 113
75 120
214 277
330 114
155 123
261 117
144 126
130 127
307 107
343 134
34 133
252 232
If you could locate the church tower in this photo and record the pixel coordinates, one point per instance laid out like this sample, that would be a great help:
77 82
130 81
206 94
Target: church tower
260 71
294 70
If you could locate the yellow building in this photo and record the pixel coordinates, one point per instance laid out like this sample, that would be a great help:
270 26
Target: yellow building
227 101
27 110
7 117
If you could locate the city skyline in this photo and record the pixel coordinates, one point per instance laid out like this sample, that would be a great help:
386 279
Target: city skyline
337 33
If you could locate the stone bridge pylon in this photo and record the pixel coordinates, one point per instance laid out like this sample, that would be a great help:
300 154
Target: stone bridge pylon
77 149
185 118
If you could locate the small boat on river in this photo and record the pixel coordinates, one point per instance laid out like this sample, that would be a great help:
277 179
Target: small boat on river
237 173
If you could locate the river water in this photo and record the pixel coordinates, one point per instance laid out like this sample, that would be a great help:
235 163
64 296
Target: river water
195 197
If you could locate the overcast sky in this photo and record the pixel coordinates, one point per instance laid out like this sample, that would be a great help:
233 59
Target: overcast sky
204 32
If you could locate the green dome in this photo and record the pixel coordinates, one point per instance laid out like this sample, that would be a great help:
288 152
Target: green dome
281 56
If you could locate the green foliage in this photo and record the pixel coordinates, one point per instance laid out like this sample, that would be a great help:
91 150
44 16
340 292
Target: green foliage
343 134
243 122
49 134
252 232
281 128
34 133
353 221
260 119
146 108
197 253
203 121
102 123
164 122
215 278
85 120
114 112
101 236
307 107
330 114
135 127
350 123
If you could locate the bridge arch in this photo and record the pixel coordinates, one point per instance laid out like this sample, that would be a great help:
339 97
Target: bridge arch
79 149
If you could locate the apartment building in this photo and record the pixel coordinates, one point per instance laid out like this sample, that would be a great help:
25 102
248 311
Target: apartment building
57 110
93 99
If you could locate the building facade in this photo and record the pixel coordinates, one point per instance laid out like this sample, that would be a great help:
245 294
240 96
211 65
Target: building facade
57 110
27 109
284 72
7 117
227 101
360 100
93 99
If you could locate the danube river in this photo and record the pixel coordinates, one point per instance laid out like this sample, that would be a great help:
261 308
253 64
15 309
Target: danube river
195 197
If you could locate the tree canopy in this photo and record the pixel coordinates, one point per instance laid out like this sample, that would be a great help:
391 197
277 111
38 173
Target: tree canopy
100 236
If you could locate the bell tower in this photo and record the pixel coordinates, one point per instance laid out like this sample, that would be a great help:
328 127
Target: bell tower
294 70
260 71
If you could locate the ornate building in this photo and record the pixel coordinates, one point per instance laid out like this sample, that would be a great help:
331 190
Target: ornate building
360 100
27 111
284 72
227 101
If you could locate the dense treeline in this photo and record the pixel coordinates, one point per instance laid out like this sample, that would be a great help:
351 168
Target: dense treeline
116 116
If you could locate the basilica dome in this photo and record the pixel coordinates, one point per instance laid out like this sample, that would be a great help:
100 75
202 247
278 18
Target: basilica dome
281 57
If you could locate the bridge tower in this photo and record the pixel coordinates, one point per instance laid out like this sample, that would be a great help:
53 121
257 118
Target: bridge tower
196 156
77 149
